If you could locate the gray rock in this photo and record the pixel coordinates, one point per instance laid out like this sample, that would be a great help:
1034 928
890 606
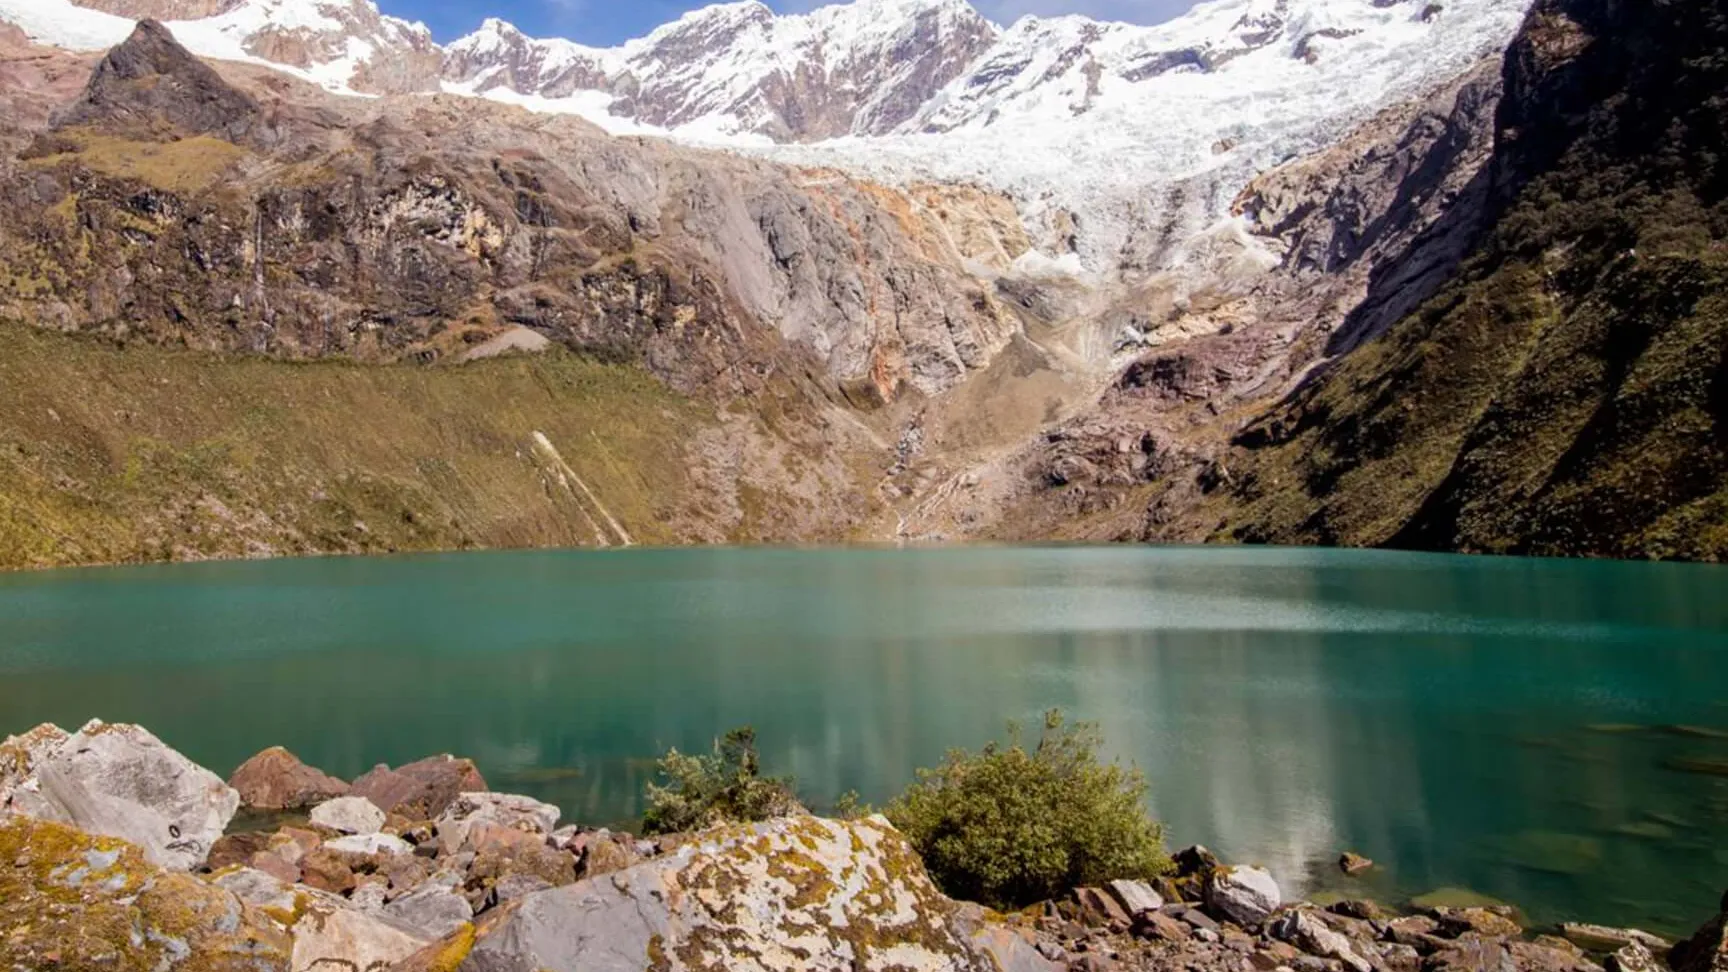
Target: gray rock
1310 934
21 754
469 810
433 908
563 837
331 934
349 815
369 896
1244 895
121 781
257 888
370 844
514 886
1136 896
756 896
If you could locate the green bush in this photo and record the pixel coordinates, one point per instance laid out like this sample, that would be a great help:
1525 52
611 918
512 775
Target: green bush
1008 827
725 786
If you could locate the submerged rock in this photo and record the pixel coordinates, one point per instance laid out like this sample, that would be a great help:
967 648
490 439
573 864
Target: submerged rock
71 900
121 781
1244 895
1352 863
773 895
275 779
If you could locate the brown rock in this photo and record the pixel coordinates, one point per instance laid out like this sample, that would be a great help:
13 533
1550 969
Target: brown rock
1417 931
604 856
1456 922
1362 910
1353 864
1546 956
501 852
276 780
326 871
271 863
1471 955
1099 908
232 849
1161 927
421 790
1706 951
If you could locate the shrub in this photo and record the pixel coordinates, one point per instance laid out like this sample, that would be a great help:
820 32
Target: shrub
725 786
1008 827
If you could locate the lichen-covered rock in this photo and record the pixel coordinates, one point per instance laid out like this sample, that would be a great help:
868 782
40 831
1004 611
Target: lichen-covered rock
1488 923
421 790
332 935
469 810
349 815
121 781
1244 895
275 779
70 900
769 896
20 754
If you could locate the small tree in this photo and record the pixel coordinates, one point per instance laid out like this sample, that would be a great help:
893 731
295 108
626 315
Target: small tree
725 786
1009 828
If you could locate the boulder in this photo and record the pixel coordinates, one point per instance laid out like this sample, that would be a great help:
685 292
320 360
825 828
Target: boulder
469 810
1308 933
71 900
21 754
276 897
769 895
1471 955
434 910
501 853
327 871
1633 957
603 854
1457 922
121 781
349 815
232 849
1604 938
1100 909
1353 864
1550 955
421 790
331 935
1706 951
275 779
1161 927
369 844
1135 897
1244 895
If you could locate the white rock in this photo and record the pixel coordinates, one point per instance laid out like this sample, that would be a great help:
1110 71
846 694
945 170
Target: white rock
1136 896
503 809
21 754
1311 935
1244 895
370 844
349 815
121 781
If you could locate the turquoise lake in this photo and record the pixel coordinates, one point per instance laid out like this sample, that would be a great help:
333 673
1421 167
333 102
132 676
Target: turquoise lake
1553 734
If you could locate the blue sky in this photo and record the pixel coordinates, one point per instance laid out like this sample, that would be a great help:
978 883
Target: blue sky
607 22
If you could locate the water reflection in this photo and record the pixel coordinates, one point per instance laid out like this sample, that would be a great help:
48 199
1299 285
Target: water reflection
1431 713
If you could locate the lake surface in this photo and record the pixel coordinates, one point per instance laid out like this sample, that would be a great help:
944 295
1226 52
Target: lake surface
1554 734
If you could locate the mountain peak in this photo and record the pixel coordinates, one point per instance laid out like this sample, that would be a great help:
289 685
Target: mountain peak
150 85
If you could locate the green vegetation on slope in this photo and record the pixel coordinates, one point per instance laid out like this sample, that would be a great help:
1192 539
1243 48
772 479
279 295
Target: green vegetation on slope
1568 394
112 454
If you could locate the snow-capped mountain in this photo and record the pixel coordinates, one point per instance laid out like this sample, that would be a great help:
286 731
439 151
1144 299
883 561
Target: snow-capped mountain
1124 146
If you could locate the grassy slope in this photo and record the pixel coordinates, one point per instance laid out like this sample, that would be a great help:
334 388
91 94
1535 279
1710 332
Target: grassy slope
143 453
1569 393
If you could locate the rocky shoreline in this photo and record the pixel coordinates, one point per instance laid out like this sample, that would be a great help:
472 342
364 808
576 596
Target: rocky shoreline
116 852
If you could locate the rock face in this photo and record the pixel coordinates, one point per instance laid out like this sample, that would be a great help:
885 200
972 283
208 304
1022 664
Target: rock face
121 781
752 897
1245 895
1706 951
276 780
421 790
74 901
